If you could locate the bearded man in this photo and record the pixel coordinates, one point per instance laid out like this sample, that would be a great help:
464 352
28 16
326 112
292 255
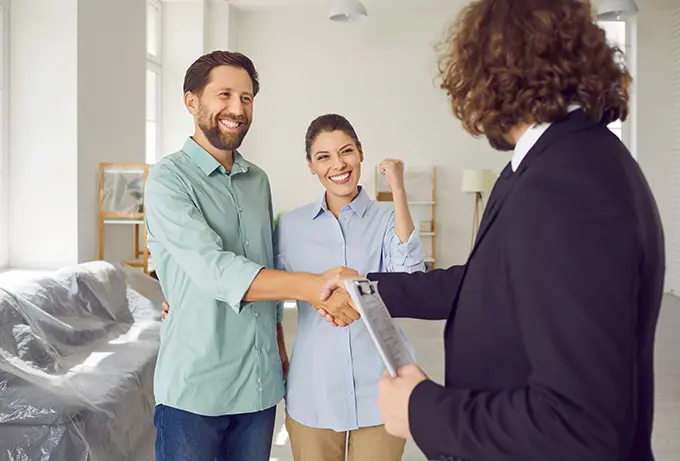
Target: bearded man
222 359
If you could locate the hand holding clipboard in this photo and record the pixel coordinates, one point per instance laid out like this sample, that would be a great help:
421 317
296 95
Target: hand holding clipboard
379 323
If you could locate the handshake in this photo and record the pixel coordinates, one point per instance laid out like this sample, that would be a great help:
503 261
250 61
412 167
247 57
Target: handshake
328 296
334 303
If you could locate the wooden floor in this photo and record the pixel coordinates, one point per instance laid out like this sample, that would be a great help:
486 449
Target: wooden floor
427 337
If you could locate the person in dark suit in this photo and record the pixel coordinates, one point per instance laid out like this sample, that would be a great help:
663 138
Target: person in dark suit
550 324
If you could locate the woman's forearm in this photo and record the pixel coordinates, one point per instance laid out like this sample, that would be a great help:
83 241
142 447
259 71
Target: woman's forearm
403 223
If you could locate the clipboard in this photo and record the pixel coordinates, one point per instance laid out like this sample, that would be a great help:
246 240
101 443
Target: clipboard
380 325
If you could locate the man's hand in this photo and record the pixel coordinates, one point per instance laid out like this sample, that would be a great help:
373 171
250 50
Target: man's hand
393 170
338 308
285 363
166 310
335 284
339 271
393 399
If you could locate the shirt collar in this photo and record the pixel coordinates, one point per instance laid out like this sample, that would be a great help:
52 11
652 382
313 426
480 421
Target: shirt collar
358 205
207 163
529 138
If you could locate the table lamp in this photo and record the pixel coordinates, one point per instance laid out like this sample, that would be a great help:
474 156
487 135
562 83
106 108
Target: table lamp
477 182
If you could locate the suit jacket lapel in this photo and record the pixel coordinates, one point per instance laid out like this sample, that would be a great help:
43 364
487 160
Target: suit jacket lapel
498 195
573 122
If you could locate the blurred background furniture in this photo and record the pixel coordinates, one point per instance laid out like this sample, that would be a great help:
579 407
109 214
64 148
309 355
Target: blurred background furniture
78 348
477 182
121 202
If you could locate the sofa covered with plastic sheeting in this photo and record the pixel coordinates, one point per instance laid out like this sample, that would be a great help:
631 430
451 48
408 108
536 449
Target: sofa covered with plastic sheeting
78 348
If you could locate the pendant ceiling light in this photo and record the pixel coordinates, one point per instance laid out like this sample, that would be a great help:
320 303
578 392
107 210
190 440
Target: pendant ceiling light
348 10
614 10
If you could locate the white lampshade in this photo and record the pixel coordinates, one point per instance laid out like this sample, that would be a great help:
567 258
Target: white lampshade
613 10
477 181
348 10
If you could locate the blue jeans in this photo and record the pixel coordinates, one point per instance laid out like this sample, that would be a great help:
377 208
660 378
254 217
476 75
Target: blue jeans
183 436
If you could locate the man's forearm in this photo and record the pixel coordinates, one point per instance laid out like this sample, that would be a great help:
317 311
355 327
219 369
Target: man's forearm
275 285
421 295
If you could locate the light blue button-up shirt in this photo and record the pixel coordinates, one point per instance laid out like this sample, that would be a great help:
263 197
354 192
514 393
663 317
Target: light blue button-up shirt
334 372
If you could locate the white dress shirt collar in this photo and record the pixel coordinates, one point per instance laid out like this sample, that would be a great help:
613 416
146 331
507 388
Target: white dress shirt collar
529 138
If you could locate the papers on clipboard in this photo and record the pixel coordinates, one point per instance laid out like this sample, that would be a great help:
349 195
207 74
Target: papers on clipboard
379 323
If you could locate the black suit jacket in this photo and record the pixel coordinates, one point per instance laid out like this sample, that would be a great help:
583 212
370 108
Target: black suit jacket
550 325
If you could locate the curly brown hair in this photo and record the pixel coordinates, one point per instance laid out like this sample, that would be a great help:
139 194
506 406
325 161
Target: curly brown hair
506 62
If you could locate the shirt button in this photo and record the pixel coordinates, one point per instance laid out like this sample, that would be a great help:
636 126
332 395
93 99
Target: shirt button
258 380
257 314
247 243
240 210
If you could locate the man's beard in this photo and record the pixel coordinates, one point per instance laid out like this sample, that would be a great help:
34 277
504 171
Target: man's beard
499 143
220 140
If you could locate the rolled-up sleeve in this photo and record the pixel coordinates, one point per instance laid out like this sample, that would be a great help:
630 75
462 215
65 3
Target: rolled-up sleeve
174 222
402 256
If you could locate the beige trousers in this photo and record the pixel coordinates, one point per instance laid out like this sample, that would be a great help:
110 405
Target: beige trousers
365 444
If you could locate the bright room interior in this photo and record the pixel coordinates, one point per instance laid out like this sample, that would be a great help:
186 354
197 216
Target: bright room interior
87 86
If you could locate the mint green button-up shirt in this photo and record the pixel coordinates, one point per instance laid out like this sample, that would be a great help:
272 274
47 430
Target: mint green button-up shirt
209 234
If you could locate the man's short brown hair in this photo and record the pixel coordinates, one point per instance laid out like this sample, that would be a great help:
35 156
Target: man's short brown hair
197 75
504 62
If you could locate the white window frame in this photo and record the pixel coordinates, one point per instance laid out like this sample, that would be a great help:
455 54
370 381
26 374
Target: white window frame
4 133
152 157
629 48
630 125
154 64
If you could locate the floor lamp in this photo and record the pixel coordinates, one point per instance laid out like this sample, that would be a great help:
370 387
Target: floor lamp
476 182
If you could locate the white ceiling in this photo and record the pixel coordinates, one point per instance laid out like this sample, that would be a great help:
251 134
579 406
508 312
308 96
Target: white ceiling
396 4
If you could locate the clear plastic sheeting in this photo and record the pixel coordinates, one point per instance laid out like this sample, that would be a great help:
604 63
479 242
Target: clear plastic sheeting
123 190
77 353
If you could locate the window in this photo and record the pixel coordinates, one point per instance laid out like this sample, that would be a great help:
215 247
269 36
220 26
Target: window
153 77
4 131
153 80
617 34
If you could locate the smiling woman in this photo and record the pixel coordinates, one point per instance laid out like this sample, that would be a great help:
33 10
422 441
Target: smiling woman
346 228
334 155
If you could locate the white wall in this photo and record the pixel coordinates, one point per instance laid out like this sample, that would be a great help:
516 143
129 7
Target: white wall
673 219
182 43
76 99
654 87
190 29
43 133
379 74
111 109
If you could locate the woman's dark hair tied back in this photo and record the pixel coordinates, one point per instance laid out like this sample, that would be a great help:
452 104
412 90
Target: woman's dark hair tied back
326 124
